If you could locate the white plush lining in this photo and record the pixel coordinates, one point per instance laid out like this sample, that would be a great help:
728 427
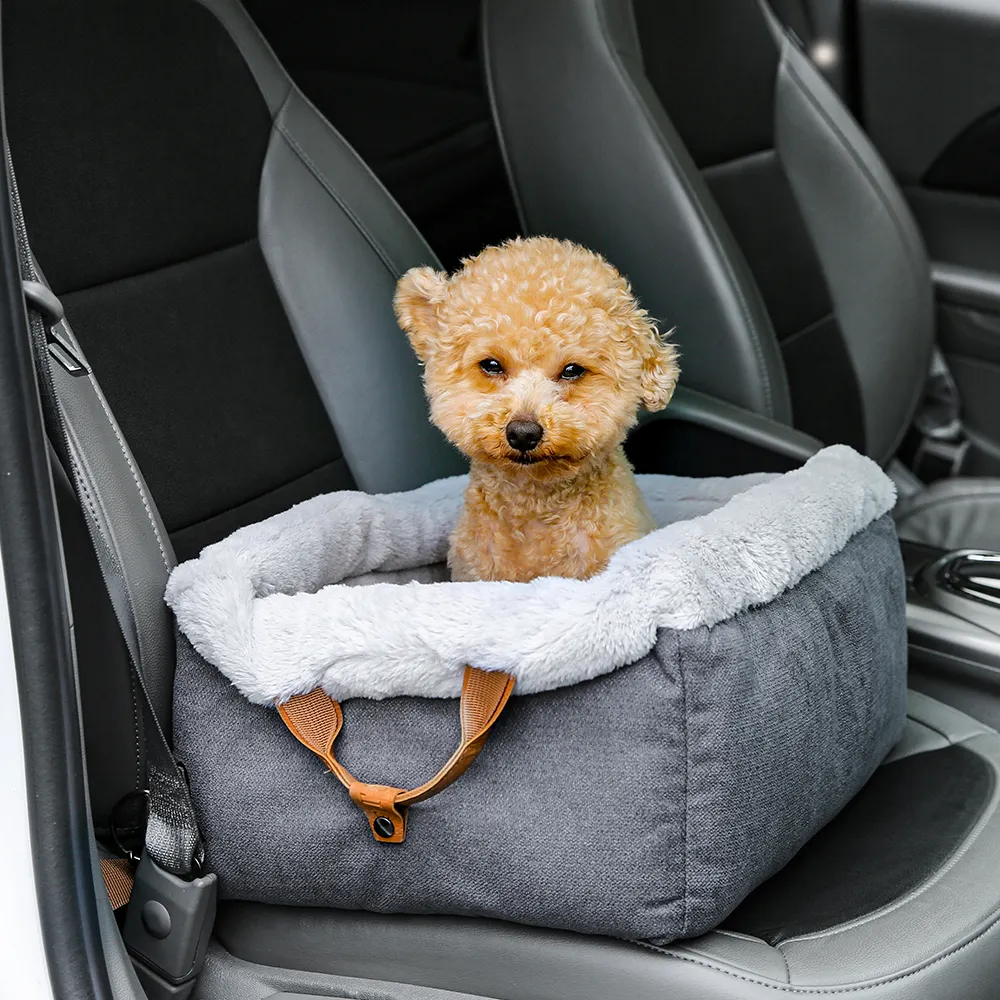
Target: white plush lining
269 607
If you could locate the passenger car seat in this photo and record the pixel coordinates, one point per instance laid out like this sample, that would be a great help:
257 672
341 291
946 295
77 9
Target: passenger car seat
701 150
227 263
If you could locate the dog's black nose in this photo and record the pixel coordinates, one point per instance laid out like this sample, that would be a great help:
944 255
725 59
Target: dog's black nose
524 435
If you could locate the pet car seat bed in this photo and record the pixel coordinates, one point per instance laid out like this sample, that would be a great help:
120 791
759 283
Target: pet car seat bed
679 726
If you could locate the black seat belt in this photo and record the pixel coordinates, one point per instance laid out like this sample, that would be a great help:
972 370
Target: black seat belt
170 913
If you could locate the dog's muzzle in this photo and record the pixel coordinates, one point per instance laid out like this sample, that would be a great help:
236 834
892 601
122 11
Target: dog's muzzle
524 435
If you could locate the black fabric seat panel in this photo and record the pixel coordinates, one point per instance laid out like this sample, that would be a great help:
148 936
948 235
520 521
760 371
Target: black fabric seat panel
757 202
899 830
392 117
203 373
723 49
189 541
971 162
130 156
823 385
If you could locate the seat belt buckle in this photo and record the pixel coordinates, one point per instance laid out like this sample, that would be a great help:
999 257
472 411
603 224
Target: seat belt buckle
939 459
43 300
168 925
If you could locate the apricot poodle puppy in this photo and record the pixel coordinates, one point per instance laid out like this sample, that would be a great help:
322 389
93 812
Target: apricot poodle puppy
536 359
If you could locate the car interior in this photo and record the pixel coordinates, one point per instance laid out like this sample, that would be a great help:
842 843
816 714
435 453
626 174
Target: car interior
220 198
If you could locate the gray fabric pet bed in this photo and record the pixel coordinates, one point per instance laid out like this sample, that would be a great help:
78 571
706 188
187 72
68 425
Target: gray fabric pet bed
680 725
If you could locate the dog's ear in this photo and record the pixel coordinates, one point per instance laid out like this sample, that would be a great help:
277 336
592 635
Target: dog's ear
418 294
660 370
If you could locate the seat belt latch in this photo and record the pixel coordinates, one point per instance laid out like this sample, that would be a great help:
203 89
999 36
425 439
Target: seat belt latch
41 298
167 929
939 459
944 443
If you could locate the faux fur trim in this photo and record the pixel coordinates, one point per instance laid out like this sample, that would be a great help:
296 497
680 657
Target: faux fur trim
268 606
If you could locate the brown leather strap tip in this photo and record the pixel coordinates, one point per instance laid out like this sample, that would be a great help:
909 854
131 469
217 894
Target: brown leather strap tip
315 720
118 880
379 803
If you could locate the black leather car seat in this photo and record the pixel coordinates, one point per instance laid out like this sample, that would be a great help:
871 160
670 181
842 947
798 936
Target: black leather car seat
700 149
227 264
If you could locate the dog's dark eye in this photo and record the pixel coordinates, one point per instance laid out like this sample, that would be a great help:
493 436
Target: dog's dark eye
491 367
572 372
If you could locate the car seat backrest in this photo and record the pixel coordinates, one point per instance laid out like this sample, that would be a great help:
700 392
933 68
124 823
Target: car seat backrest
701 151
227 264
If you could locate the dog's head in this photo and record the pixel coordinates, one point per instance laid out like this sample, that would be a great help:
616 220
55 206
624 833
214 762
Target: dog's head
536 354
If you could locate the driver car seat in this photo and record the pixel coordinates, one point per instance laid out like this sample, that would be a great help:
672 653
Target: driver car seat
227 265
699 148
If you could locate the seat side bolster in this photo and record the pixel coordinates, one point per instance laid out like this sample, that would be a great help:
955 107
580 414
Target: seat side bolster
950 912
868 245
335 243
599 162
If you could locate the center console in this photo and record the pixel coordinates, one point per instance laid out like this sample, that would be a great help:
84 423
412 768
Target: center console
953 614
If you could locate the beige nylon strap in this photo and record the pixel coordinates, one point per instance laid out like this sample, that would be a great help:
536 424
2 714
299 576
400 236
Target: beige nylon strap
315 720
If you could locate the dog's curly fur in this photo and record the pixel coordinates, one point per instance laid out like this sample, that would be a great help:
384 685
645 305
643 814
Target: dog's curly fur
535 308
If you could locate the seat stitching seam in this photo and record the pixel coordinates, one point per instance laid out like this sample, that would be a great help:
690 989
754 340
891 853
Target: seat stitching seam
135 729
88 499
735 934
739 160
808 328
135 476
952 741
92 500
699 210
843 141
784 960
328 187
971 839
257 496
826 990
947 737
158 269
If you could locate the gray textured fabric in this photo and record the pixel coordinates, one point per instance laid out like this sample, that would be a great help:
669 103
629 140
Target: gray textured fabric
644 804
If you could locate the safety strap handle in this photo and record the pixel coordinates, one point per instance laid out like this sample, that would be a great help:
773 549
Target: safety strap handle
315 720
